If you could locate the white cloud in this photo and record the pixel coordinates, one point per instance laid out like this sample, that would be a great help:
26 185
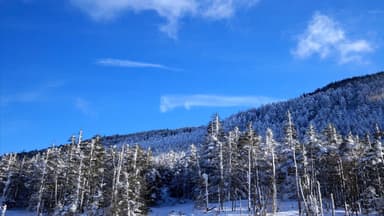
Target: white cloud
326 38
223 9
84 106
170 102
171 10
31 95
128 63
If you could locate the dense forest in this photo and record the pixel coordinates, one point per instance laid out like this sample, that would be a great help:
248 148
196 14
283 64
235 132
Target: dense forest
323 150
322 170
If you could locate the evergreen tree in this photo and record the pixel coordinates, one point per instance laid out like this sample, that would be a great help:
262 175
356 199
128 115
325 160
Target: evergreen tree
9 170
211 161
292 143
54 181
248 143
95 186
234 161
271 145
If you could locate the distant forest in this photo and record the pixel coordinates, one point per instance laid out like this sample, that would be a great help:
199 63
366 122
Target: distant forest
321 170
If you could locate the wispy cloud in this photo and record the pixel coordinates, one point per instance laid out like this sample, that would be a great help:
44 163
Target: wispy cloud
326 38
376 12
132 64
170 102
31 95
84 106
173 11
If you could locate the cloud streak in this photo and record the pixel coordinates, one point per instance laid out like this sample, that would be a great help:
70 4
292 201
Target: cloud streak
170 102
171 10
130 64
326 38
29 96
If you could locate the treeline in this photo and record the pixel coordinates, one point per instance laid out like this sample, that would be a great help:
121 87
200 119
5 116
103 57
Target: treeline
322 170
319 171
81 178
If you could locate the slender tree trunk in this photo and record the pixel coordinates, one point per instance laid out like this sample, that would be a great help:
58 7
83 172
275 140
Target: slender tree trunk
56 190
75 204
319 198
89 185
249 179
11 161
21 168
297 180
116 181
229 198
341 173
41 189
205 176
304 199
82 196
219 197
333 204
274 189
128 198
221 175
258 188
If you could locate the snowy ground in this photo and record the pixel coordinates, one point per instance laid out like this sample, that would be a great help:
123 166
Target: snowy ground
19 213
286 208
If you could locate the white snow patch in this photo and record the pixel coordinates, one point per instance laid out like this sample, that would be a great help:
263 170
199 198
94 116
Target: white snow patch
285 208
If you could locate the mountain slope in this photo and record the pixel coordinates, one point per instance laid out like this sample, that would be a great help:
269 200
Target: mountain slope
355 104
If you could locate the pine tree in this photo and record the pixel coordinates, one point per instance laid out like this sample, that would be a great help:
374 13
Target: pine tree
371 173
54 182
314 152
211 161
331 138
118 160
8 172
234 166
291 141
96 177
247 144
129 183
37 200
192 173
74 177
271 145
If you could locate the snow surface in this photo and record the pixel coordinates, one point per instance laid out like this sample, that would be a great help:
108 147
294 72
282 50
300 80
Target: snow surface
19 213
286 208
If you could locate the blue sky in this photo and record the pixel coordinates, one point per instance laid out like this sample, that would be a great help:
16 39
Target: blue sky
122 66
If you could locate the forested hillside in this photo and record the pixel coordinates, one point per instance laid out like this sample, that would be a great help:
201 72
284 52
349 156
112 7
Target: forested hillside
351 105
85 177
323 150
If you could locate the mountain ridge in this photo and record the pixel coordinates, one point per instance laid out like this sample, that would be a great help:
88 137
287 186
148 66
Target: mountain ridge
355 103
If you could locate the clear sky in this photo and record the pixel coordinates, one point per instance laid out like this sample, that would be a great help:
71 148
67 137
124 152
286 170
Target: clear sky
122 66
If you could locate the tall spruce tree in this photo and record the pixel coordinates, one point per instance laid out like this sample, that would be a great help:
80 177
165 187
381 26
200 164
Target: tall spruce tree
212 162
292 143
